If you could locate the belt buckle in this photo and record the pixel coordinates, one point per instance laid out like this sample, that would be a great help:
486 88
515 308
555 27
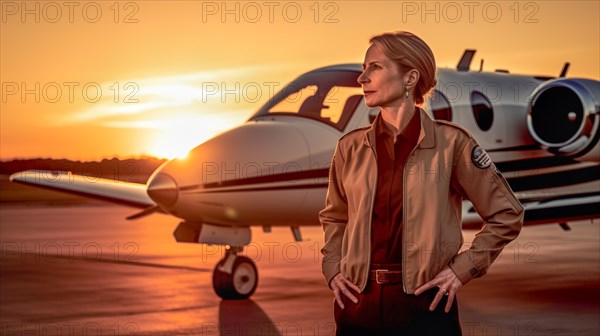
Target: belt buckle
377 273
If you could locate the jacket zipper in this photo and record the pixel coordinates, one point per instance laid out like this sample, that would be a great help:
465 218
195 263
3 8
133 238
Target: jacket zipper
371 213
404 219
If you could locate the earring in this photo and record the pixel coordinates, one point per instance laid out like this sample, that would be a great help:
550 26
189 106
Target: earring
406 94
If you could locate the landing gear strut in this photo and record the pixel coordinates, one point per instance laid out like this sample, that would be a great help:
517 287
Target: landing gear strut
235 277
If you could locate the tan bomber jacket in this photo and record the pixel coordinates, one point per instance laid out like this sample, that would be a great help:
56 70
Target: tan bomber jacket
446 166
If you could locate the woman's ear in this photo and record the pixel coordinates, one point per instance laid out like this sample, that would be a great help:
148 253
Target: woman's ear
411 78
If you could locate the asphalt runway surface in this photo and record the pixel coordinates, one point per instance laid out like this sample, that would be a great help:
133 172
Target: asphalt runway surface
85 270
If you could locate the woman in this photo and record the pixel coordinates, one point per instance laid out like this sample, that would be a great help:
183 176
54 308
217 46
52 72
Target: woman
392 219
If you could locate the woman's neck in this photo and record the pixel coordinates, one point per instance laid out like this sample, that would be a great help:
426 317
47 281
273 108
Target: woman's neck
396 118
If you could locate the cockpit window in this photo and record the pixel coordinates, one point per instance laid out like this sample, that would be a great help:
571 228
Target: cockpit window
327 96
294 101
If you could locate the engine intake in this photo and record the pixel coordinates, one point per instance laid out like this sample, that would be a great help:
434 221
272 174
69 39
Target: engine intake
563 116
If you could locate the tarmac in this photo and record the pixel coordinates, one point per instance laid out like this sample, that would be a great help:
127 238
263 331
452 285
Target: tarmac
86 270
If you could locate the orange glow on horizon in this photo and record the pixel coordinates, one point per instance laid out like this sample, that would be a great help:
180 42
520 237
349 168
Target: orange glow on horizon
158 79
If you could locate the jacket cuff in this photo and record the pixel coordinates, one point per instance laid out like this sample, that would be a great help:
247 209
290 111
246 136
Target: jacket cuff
464 268
330 270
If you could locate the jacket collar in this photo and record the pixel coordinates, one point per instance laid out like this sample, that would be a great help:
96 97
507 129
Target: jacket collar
426 136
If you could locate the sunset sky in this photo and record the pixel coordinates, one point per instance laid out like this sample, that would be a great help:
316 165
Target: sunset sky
102 79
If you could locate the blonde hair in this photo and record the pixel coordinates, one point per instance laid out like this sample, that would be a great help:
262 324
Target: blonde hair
410 52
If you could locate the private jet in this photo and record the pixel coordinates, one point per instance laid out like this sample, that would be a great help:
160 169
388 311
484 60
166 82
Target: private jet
271 171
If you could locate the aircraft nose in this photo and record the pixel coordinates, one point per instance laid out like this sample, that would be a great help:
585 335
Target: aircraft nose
163 190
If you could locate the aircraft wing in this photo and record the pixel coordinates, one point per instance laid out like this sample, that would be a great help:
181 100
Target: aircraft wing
125 193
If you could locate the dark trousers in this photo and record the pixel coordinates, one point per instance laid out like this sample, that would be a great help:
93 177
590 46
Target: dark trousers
387 310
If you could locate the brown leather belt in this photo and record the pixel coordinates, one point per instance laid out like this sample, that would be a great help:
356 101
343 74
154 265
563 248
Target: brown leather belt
384 276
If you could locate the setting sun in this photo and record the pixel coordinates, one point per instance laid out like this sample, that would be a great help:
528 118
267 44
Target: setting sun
177 134
171 149
175 144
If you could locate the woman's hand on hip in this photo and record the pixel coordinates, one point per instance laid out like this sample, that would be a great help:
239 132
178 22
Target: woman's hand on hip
447 282
340 286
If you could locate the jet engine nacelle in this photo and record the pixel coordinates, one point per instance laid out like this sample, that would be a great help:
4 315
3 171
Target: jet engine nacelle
563 116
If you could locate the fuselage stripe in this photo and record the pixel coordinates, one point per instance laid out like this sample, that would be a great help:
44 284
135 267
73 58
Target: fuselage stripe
523 183
273 188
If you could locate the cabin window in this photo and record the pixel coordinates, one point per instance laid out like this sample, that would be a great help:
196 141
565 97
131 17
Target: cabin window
440 106
482 110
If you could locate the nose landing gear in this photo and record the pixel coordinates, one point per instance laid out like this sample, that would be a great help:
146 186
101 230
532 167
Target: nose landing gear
235 277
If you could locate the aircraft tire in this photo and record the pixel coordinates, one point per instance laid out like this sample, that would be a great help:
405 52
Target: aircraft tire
240 284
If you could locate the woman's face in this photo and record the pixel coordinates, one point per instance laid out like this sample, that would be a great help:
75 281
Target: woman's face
381 80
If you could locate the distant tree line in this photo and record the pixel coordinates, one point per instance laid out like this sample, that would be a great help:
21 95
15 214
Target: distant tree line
130 170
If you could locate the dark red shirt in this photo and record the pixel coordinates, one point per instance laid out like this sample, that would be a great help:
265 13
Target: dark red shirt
386 244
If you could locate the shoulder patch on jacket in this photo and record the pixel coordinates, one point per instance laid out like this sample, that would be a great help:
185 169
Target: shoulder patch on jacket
480 157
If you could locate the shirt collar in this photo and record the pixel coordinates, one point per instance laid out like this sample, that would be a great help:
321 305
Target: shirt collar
426 135
406 133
